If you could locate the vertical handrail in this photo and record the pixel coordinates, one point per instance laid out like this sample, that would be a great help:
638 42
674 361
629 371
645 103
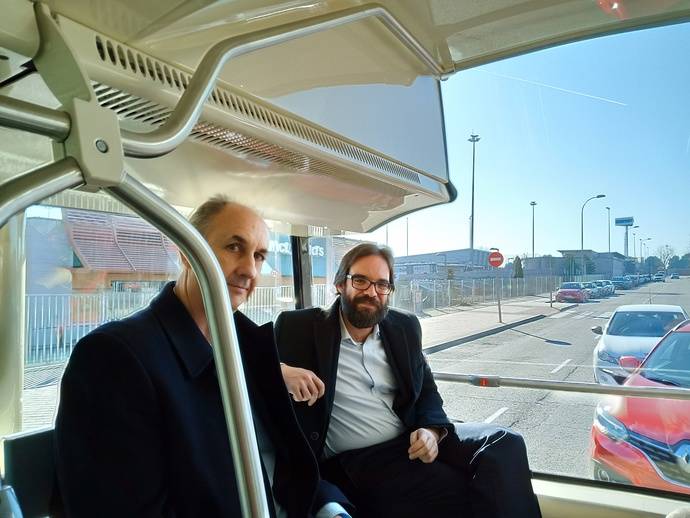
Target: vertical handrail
186 113
226 352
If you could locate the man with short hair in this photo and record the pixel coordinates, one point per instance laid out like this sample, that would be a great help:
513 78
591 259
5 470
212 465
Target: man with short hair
380 430
140 430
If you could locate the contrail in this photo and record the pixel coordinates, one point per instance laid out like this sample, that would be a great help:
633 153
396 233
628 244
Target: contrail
536 83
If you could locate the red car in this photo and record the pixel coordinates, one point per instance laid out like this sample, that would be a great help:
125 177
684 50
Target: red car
574 291
642 441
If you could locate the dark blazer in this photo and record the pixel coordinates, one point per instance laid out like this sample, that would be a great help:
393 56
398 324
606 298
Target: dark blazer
310 339
141 432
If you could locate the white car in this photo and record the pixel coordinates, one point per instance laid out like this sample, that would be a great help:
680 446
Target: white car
632 330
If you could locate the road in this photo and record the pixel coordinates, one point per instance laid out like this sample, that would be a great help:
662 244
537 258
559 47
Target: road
556 425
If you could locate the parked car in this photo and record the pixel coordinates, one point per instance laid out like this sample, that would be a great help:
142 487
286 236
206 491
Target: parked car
612 287
572 291
659 277
632 330
646 442
604 288
593 291
675 276
622 283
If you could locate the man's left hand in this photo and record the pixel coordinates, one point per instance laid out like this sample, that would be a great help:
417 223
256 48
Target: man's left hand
424 445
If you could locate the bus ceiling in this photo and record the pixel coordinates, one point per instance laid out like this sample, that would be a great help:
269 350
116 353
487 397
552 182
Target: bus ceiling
329 114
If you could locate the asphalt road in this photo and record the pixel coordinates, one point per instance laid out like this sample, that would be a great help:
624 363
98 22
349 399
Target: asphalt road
556 425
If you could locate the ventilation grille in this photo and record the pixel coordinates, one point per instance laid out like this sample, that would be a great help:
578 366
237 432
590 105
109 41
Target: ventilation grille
132 107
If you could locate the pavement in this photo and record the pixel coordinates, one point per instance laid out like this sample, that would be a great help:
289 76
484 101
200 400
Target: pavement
454 326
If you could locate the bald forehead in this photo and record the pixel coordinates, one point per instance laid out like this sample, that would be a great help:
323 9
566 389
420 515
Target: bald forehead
236 219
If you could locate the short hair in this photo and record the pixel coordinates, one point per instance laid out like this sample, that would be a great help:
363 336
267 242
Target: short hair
204 213
364 250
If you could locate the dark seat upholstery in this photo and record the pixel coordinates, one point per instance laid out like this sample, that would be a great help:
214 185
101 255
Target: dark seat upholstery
30 470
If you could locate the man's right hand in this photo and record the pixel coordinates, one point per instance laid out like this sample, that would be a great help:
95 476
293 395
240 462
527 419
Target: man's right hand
302 384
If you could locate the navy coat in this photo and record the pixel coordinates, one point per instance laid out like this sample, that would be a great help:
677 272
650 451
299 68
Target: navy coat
141 432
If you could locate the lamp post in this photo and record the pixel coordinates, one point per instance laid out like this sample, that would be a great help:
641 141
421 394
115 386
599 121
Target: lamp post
582 230
533 203
474 139
608 210
634 245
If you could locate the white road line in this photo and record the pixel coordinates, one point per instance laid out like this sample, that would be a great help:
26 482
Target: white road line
561 366
495 415
583 315
561 314
605 315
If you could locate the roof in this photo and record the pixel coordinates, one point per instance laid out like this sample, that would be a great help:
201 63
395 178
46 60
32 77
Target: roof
651 307
117 243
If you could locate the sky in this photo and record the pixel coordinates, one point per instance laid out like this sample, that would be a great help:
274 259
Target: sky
605 116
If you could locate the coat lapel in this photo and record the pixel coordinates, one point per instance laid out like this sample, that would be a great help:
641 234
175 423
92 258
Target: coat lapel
398 352
327 343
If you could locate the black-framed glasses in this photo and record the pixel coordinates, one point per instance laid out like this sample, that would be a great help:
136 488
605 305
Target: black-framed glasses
361 283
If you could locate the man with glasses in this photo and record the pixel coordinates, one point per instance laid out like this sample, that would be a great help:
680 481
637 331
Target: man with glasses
380 432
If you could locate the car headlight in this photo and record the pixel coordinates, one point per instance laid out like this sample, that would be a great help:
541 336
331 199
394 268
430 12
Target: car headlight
603 355
609 425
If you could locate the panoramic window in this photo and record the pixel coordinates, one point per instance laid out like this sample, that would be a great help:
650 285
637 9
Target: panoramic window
570 164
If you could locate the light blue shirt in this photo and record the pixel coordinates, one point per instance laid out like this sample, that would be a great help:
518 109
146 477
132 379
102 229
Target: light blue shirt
364 392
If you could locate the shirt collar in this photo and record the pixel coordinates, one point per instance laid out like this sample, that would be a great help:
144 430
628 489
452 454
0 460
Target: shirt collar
345 334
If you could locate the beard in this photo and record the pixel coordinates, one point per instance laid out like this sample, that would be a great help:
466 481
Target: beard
361 318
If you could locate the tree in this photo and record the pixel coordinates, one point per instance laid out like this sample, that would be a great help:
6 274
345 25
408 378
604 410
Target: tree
652 264
629 267
665 253
517 268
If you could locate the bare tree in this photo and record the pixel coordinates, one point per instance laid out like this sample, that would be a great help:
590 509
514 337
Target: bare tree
664 253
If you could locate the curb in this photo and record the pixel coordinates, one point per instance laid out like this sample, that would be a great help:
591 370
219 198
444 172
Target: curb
494 330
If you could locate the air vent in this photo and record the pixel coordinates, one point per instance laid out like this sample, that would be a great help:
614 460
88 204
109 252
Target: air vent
238 106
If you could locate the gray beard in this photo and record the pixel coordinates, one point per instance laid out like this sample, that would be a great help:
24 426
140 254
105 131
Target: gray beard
362 319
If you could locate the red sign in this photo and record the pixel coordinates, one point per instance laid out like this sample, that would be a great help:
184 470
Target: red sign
495 259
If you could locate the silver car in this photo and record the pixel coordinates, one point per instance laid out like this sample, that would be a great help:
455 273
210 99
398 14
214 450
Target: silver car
631 331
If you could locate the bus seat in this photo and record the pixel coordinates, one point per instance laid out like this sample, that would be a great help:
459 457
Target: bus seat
30 470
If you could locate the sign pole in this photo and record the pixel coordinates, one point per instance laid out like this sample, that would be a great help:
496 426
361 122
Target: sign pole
496 260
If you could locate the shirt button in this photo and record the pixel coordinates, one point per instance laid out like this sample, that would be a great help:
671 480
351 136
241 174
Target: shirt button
314 436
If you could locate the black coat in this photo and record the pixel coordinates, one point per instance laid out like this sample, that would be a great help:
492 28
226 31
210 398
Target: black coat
140 429
310 339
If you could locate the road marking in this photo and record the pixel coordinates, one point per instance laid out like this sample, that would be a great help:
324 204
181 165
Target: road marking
583 315
605 315
495 415
561 366
561 314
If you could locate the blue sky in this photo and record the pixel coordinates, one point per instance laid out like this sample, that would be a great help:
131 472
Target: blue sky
609 115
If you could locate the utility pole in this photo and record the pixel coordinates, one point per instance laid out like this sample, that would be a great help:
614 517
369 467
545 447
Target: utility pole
474 139
533 203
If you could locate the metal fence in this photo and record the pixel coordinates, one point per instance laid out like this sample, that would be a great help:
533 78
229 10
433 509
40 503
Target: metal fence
55 323
418 296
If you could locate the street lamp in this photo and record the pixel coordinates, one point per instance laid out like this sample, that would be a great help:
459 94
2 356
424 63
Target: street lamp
582 229
634 245
608 209
533 203
474 139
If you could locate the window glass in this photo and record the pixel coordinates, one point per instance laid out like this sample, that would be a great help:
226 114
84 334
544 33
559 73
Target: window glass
87 267
571 167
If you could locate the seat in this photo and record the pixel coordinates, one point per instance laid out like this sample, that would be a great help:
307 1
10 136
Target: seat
30 470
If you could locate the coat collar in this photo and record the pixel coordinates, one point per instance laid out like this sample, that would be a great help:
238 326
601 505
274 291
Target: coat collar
189 342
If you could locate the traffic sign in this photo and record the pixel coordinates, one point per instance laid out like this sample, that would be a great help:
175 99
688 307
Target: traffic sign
495 259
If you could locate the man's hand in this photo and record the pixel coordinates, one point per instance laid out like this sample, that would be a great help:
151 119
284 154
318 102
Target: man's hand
302 384
424 445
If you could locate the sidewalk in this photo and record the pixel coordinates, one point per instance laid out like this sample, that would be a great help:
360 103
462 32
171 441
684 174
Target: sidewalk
448 330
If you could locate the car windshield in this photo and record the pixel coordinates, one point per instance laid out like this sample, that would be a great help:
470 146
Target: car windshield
571 286
643 323
669 363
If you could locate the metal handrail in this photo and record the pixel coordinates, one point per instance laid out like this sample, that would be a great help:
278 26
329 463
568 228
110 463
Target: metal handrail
238 414
480 380
179 125
20 192
30 117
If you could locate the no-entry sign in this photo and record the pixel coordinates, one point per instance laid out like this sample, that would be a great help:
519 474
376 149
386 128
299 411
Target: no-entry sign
495 259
